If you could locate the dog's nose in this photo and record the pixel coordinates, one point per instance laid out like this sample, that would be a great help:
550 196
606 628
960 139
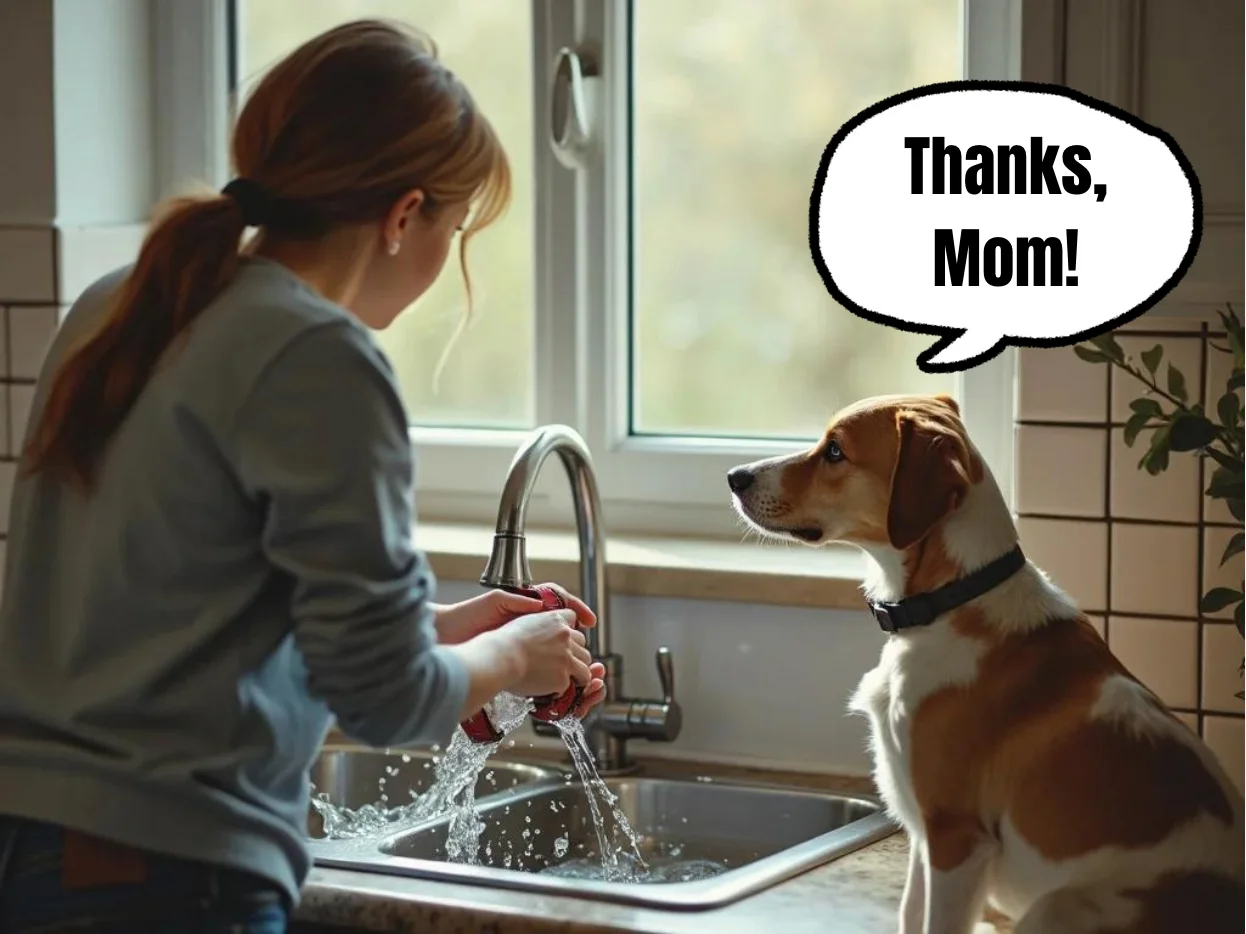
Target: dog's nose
739 479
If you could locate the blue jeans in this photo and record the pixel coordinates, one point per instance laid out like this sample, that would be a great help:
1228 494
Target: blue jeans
55 880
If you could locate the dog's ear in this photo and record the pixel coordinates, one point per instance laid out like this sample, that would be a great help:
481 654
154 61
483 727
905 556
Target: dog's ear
932 475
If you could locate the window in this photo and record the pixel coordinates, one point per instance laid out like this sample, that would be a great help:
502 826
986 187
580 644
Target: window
660 299
733 101
488 383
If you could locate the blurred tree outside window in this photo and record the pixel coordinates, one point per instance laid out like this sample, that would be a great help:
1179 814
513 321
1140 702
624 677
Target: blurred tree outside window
733 333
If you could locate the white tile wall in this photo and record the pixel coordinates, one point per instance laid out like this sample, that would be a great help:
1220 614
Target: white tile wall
31 329
21 395
27 265
1155 530
8 471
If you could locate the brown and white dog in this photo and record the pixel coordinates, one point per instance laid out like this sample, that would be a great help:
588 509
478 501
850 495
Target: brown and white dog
1032 772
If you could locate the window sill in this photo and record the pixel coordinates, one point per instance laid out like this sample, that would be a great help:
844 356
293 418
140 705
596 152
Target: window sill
649 566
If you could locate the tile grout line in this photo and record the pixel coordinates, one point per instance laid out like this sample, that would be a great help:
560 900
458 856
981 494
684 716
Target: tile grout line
1119 520
8 378
1107 509
1199 545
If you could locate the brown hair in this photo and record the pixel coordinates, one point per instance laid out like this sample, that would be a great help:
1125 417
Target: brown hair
333 135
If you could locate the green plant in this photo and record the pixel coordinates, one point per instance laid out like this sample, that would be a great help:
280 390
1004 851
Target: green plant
1187 426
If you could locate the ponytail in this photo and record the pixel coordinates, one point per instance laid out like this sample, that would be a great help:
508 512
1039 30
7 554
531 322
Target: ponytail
186 261
306 164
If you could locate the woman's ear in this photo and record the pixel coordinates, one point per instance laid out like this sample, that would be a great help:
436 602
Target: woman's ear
932 475
402 213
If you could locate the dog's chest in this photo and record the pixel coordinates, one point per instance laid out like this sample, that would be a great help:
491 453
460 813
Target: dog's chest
909 671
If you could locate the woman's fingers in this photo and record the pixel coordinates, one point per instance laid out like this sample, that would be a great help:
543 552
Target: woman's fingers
580 673
516 604
584 615
593 695
581 655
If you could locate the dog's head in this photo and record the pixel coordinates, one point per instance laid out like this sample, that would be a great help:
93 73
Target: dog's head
888 471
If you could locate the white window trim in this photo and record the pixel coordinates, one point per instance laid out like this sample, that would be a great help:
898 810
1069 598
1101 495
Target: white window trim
648 485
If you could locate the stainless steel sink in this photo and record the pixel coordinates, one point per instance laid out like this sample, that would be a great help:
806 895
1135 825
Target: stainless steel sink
759 834
352 778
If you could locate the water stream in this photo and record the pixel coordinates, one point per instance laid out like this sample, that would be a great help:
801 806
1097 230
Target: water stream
453 794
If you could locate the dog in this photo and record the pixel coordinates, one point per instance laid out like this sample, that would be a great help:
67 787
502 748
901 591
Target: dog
1033 773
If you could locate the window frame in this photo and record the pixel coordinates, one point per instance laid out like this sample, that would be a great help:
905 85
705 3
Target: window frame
666 485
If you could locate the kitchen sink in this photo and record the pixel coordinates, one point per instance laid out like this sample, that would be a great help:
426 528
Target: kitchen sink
536 834
352 778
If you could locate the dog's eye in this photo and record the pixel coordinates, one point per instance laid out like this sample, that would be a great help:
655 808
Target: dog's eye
832 452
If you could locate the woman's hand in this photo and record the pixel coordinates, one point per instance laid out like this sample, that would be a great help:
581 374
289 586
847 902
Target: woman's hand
595 693
554 653
458 622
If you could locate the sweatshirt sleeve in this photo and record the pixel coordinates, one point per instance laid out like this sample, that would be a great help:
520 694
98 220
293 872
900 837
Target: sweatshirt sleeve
322 445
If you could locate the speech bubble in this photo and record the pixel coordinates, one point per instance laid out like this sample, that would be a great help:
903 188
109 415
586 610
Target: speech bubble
1001 212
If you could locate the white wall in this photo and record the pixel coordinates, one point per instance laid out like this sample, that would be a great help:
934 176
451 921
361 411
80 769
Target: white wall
758 683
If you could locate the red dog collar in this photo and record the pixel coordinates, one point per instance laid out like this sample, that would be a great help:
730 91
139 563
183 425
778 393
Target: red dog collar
550 707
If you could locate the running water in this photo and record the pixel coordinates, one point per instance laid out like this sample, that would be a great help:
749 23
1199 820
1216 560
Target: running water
616 865
453 793
453 790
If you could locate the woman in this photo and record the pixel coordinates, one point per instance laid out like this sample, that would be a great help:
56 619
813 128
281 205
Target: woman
210 554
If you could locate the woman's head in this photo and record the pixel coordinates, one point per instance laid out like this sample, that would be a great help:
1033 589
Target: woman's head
359 158
370 149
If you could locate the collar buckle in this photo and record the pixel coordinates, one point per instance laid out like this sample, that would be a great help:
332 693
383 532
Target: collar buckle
907 614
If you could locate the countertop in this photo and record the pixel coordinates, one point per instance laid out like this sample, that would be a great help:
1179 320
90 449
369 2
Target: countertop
856 894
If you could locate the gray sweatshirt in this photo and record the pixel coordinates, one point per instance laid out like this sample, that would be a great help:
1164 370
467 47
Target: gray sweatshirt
174 647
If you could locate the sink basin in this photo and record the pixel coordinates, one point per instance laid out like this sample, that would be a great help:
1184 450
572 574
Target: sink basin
758 836
352 778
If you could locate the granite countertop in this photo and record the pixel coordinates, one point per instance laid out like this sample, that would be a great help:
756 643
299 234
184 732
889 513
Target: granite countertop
856 894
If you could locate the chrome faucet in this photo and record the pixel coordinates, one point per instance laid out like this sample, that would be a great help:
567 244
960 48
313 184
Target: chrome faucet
618 718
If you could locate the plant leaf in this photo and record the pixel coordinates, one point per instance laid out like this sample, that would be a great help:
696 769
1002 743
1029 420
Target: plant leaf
1090 355
1238 617
1111 349
1236 507
1235 380
1216 346
1236 544
1218 598
1229 408
1136 423
1191 432
1155 460
1228 318
1176 384
1225 483
1224 460
1151 358
1147 406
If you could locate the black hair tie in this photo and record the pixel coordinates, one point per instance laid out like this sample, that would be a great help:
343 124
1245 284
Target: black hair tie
253 200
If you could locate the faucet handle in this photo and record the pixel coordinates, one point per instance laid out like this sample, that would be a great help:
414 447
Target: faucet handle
666 674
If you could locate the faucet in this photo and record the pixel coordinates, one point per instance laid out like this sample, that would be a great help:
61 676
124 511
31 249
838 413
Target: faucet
618 718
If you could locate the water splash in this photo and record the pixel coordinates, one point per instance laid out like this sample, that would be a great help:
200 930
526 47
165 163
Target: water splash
616 864
453 794
453 791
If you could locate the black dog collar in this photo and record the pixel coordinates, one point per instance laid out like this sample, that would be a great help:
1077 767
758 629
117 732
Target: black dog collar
922 609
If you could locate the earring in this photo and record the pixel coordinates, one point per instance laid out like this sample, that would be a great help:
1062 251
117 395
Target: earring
393 247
